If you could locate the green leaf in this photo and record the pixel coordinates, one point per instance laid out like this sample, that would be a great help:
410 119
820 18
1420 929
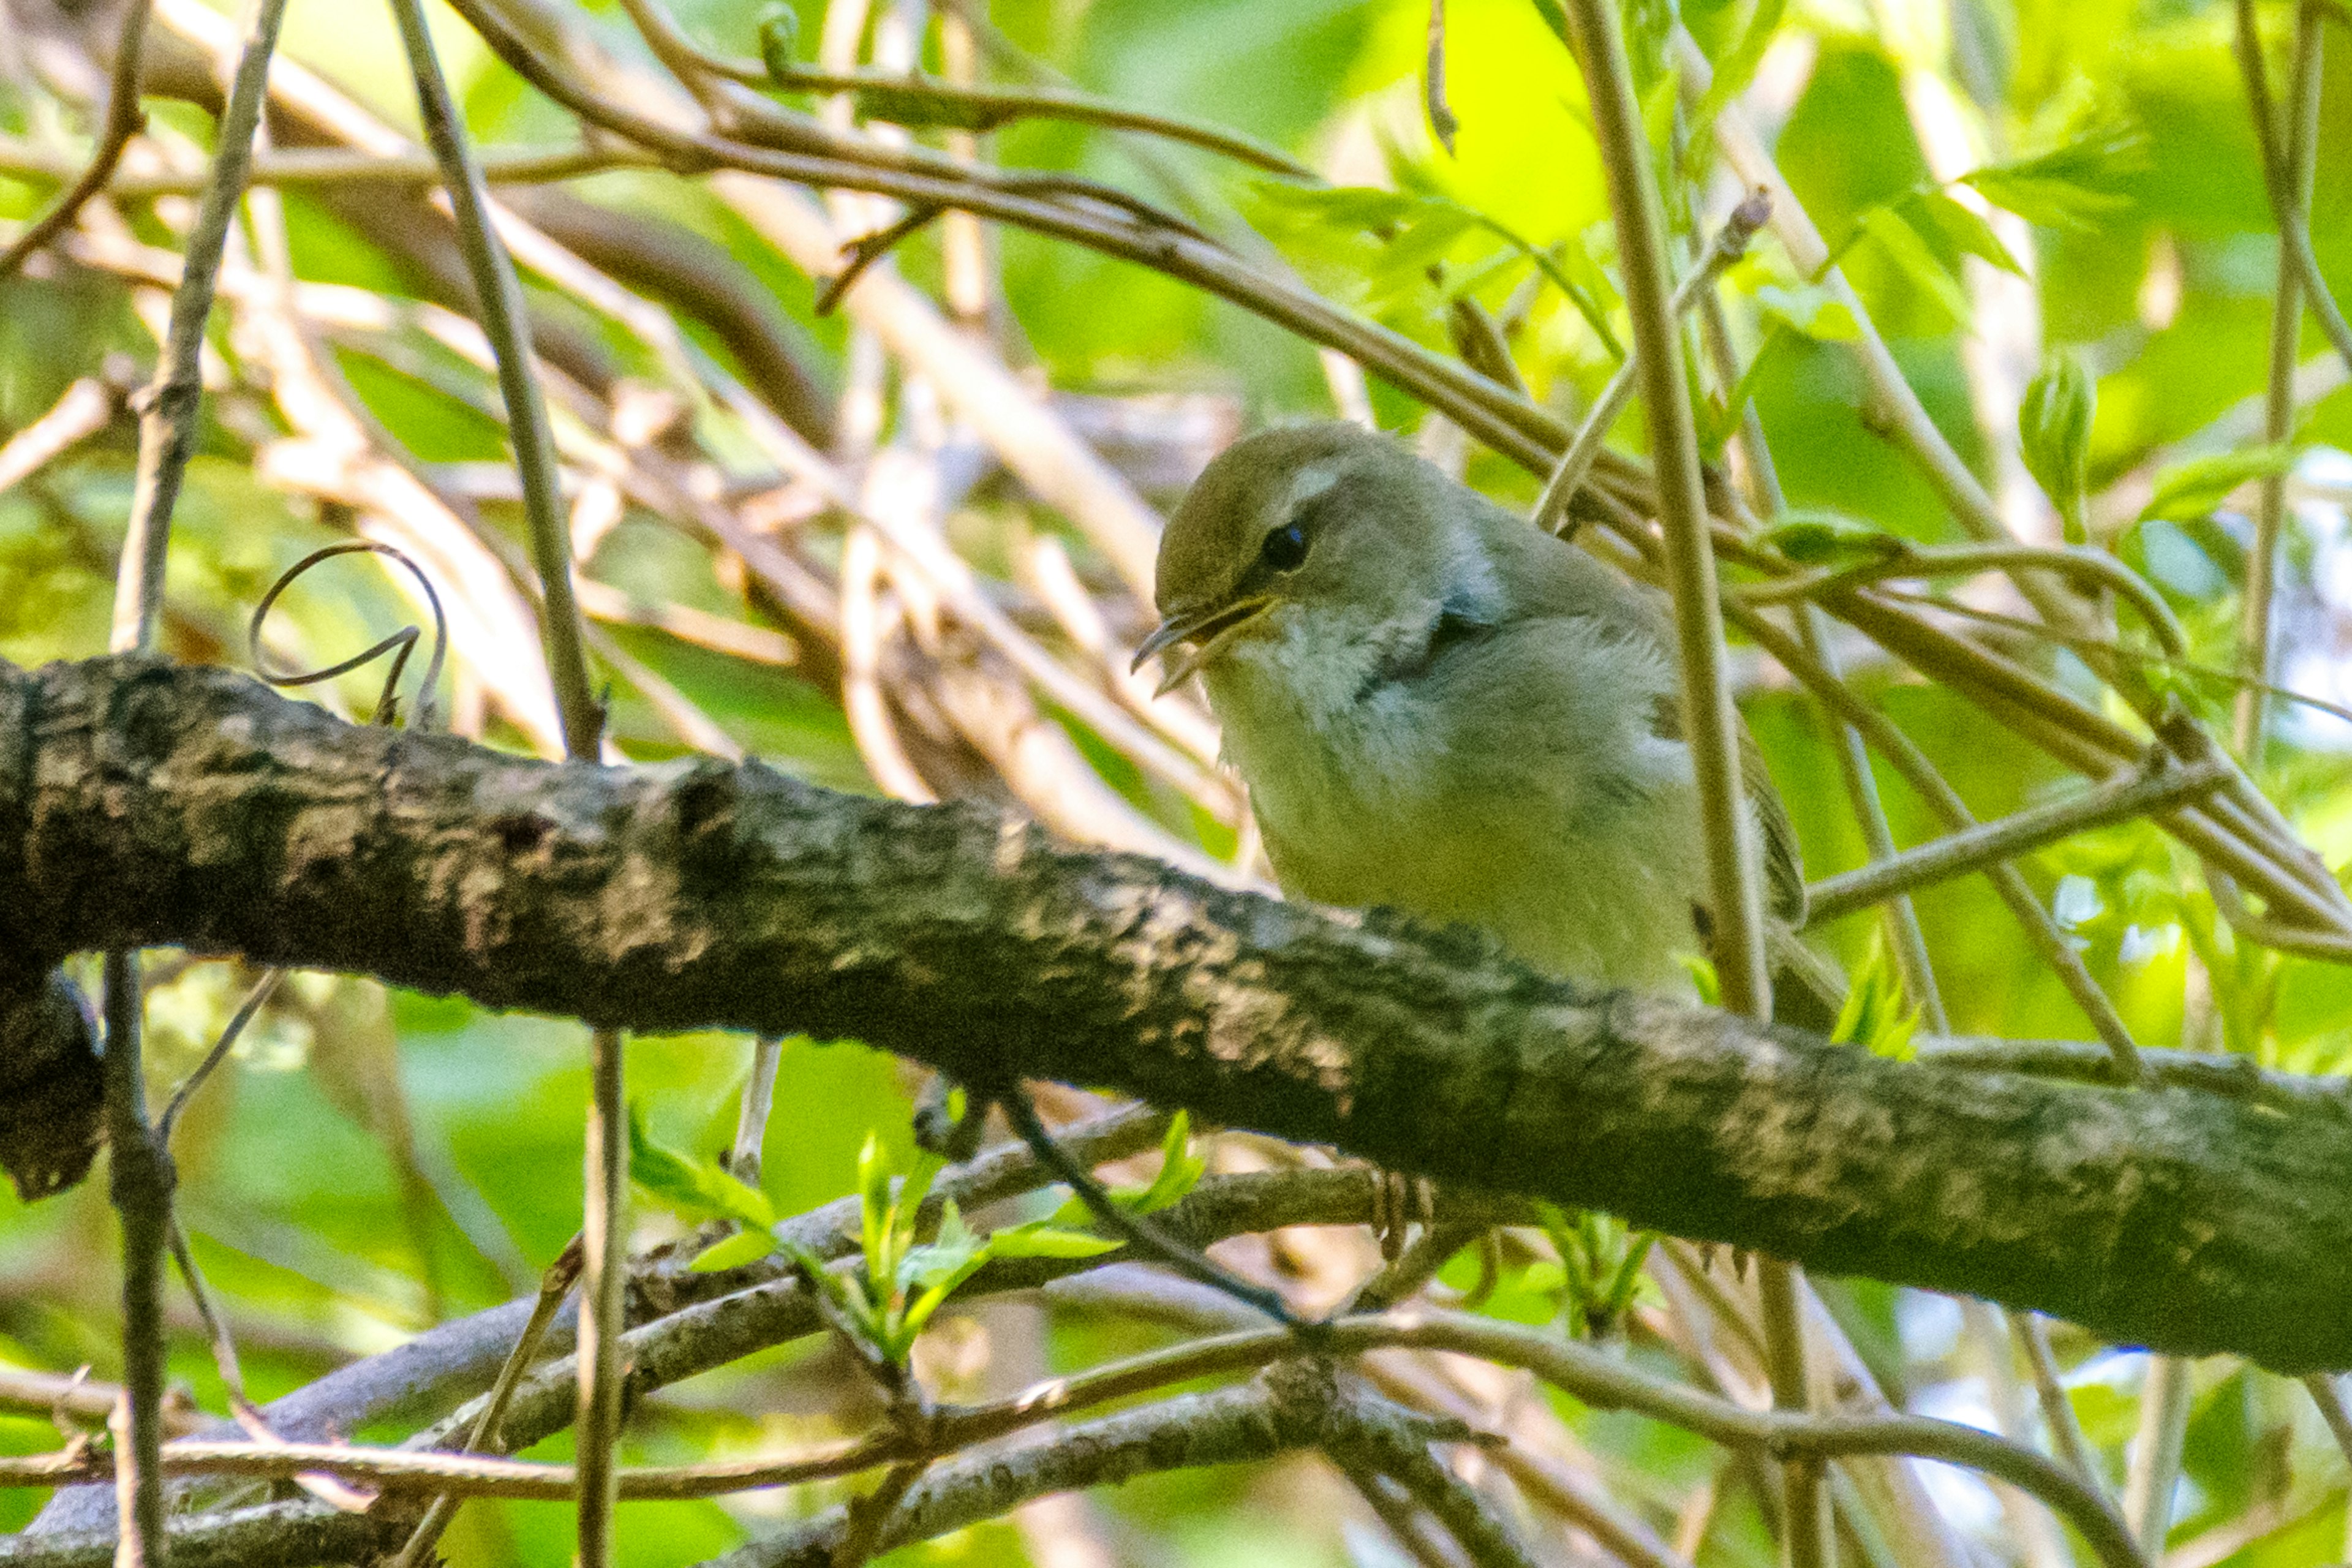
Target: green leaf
1810 310
953 1254
1179 1169
698 1189
2187 491
1874 1016
1043 1239
746 1246
1703 979
1915 260
874 1212
1737 69
2073 185
944 1265
1816 536
2053 431
1934 207
853 1305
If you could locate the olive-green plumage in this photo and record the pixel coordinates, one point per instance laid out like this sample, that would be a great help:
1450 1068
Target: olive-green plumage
1441 709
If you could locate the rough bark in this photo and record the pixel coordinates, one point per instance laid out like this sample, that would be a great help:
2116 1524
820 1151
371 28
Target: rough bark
145 803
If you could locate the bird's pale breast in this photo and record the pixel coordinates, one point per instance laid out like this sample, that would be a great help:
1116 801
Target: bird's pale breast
1512 783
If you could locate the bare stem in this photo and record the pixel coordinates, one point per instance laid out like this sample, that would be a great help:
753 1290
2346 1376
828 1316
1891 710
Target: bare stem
604 1234
2278 395
124 119
2156 1451
2288 204
140 1164
1729 244
506 324
2057 1409
1711 720
2020 833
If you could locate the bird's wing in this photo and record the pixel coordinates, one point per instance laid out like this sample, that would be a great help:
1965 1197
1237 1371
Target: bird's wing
1784 860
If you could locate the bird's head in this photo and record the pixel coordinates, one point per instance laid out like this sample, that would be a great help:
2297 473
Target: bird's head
1326 519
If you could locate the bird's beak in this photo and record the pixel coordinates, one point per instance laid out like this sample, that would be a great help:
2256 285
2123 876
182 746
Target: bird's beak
1208 628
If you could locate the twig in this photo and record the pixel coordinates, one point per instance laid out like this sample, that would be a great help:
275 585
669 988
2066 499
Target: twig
1922 776
1393 1508
2094 568
82 412
934 102
604 1260
1895 402
1709 717
1134 1229
2155 1467
759 1101
2278 393
1567 476
140 1164
553 1287
168 407
313 167
2328 1395
1711 722
506 322
2287 201
2057 1410
141 1187
254 1001
124 119
1486 1538
1441 123
2020 833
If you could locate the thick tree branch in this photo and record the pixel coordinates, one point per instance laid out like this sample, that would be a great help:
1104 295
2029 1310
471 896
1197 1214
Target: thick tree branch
142 804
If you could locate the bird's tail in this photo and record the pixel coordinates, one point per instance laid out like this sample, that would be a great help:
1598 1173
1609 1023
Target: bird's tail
1808 991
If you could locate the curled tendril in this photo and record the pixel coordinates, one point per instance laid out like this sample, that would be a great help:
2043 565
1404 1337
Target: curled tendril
400 644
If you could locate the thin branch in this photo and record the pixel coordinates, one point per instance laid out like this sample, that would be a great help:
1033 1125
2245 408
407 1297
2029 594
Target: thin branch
2010 838
2278 393
254 1000
140 1164
751 1116
1922 776
2287 201
928 101
605 1261
2327 1393
167 416
313 168
485 1435
1730 243
2155 1469
124 119
2095 569
506 322
2057 1409
87 406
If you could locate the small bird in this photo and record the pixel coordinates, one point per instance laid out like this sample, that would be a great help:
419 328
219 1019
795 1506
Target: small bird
1439 708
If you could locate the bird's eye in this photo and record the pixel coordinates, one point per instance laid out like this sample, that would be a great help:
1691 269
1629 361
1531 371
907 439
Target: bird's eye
1284 549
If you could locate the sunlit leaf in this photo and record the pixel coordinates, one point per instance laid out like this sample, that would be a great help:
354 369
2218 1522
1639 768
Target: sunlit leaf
698 1189
1932 207
2073 185
2193 489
